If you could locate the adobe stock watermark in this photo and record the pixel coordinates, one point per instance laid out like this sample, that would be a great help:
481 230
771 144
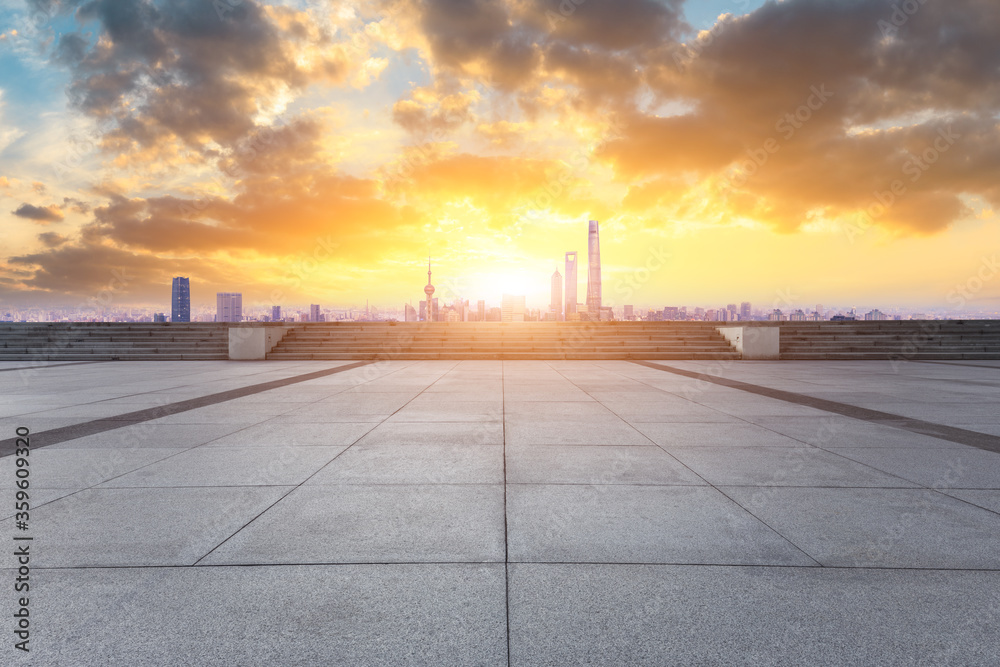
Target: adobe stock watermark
79 150
915 167
566 9
901 13
965 292
626 287
785 298
249 150
684 55
37 17
787 127
225 7
119 282
420 154
557 185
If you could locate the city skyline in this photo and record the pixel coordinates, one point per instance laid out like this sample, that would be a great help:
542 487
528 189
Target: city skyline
563 304
353 143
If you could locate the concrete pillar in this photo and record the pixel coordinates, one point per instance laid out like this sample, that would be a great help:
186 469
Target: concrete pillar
754 342
253 343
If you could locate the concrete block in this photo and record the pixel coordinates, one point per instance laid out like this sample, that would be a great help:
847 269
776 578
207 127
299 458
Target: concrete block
754 343
253 343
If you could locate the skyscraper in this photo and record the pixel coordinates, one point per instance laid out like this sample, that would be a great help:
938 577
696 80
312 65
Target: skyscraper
570 293
481 311
409 314
745 311
314 314
275 313
180 300
512 309
429 291
555 305
593 271
228 307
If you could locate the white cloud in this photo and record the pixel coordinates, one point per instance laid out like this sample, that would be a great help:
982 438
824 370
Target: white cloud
8 133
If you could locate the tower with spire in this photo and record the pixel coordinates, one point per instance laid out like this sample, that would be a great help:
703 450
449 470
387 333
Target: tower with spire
429 291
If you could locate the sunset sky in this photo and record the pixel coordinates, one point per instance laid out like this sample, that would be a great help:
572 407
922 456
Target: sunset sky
320 151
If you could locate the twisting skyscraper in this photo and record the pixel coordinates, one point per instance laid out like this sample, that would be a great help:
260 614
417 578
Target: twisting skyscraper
594 271
570 284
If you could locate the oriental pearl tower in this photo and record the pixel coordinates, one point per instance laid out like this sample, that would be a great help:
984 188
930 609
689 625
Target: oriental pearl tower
429 291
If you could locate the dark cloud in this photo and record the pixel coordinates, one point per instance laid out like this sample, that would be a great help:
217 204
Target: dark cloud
166 68
463 34
287 199
76 205
96 275
880 96
509 45
52 240
40 214
612 25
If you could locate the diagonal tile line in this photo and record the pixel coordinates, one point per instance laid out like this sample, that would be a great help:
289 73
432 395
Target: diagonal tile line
984 441
41 366
955 363
709 484
303 482
62 434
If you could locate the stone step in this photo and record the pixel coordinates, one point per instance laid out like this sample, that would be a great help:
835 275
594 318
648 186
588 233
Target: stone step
122 356
866 339
145 342
407 356
89 351
491 343
969 347
883 356
487 340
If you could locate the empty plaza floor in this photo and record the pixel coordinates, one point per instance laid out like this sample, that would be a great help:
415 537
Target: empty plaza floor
514 512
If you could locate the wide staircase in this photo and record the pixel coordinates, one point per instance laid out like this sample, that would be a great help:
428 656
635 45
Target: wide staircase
101 341
893 340
508 340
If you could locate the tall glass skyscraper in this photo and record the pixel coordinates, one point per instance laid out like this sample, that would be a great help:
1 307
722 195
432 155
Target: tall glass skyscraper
570 284
228 307
180 300
594 271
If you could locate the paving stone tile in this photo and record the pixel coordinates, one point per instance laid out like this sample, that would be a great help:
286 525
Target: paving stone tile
878 527
781 466
407 464
135 527
638 524
568 614
448 615
374 524
578 464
